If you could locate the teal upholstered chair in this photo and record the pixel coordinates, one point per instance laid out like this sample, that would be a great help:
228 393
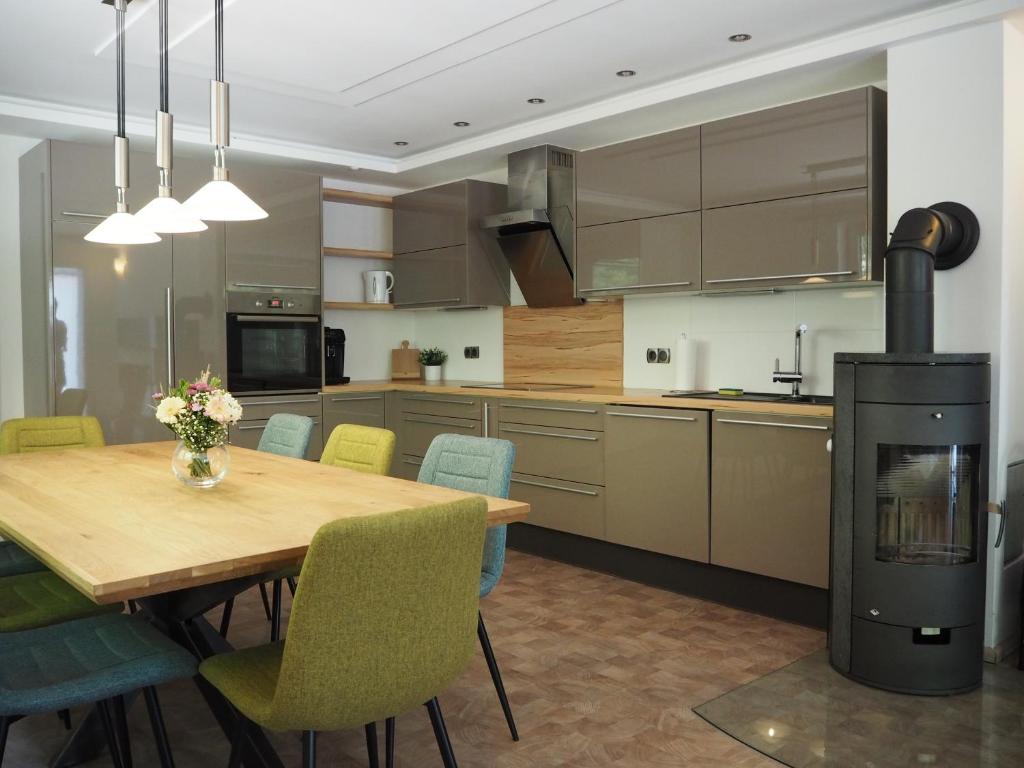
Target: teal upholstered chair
382 623
478 465
285 434
94 660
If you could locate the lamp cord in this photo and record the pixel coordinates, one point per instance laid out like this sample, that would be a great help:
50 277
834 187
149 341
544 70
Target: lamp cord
218 64
165 94
119 14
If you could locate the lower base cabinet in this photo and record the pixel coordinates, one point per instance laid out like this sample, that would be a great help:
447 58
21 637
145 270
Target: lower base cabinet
562 505
366 409
656 480
257 410
771 482
247 434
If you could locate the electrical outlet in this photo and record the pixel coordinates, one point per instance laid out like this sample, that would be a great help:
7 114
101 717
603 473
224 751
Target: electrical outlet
664 355
472 353
652 355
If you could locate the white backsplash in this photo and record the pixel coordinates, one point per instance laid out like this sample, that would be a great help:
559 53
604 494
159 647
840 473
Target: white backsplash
738 337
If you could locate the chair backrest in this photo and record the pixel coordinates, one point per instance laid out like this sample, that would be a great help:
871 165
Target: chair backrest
477 465
286 435
366 449
384 617
47 433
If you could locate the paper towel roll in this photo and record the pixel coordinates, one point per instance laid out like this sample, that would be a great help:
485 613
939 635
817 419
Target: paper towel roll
686 364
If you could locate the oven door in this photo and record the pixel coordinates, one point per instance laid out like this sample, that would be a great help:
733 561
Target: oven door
274 353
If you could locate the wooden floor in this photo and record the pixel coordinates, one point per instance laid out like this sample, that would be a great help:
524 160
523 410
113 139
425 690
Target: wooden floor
600 671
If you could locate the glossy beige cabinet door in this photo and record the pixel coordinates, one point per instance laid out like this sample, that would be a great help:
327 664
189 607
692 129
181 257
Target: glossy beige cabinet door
801 240
561 505
770 495
657 255
82 179
434 278
656 480
819 145
429 219
652 176
247 434
566 454
365 408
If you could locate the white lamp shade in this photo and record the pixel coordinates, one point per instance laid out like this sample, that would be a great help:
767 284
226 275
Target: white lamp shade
121 229
223 201
165 214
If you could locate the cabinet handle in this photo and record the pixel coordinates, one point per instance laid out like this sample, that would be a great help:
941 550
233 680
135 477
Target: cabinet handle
487 419
555 487
652 416
637 287
549 434
780 277
277 287
431 301
430 399
284 402
83 215
428 420
774 424
549 408
254 426
357 397
169 299
414 462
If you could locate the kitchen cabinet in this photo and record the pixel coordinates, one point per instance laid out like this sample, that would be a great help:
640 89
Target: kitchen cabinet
808 240
82 180
283 250
561 505
654 255
365 408
770 495
820 145
652 176
442 257
420 417
565 454
656 473
256 411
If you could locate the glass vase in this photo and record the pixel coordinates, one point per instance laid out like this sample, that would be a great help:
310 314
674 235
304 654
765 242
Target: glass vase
200 469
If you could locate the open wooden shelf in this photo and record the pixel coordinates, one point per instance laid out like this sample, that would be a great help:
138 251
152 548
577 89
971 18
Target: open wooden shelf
356 305
356 253
356 198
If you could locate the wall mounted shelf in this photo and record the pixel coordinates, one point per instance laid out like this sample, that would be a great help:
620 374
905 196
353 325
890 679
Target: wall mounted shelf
356 198
356 253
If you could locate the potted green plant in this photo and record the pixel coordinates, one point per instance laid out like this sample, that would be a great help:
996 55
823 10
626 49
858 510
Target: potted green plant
432 359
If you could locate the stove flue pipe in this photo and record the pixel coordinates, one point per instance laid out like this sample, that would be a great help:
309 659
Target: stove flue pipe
925 239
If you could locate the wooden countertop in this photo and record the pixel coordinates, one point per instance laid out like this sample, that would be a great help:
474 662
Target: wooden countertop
603 395
116 524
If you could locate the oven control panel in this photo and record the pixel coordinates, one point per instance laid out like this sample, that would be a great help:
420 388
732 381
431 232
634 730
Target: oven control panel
274 303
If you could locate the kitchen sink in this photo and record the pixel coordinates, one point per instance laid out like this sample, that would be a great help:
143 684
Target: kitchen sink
757 397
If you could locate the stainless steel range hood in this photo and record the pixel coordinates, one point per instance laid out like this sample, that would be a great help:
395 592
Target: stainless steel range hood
538 234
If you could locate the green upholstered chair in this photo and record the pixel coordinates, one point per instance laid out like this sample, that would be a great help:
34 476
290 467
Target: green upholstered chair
98 659
382 622
14 560
477 465
38 599
365 449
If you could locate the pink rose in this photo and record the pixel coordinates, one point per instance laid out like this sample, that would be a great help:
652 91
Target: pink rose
158 395
197 407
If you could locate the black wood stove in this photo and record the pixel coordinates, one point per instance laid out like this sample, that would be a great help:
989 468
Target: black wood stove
910 482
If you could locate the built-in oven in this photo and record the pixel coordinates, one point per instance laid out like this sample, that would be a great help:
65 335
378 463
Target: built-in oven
274 343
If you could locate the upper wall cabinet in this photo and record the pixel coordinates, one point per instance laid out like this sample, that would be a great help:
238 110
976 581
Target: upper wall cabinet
283 250
820 145
653 176
442 257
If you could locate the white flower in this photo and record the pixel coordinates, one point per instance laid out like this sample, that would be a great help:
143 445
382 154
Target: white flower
168 410
223 408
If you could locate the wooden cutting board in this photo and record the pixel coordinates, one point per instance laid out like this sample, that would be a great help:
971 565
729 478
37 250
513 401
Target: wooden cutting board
405 362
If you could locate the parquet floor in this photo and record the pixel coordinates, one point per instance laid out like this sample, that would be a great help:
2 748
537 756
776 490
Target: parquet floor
600 672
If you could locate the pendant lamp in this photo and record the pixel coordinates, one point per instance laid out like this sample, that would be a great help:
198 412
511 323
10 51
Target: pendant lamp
120 227
163 213
219 199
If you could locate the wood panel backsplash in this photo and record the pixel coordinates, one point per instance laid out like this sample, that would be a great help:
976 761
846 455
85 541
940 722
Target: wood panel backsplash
565 345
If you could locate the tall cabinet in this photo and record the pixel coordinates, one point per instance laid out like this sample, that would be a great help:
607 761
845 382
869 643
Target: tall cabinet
106 326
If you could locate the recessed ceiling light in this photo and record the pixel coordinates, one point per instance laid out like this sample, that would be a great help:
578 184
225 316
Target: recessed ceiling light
460 124
401 143
626 72
742 37
535 100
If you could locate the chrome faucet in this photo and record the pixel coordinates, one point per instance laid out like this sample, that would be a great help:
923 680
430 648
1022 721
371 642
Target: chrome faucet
796 376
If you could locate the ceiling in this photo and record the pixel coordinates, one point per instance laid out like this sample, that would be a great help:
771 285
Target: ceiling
339 81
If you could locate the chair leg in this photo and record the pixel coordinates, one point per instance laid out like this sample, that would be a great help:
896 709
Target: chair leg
308 749
225 617
389 743
292 585
275 620
372 745
65 717
103 707
237 742
156 722
121 723
492 665
444 744
5 724
265 599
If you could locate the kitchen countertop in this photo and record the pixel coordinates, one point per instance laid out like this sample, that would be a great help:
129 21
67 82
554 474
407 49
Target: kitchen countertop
603 395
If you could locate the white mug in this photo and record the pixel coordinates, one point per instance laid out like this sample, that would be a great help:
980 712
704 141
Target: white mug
377 285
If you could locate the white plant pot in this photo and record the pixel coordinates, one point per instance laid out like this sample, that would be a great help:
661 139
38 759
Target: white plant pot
432 374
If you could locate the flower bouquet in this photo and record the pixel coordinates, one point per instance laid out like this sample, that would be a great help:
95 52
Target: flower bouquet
199 413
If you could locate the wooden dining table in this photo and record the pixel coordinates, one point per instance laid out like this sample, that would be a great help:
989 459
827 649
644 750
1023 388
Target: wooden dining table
117 525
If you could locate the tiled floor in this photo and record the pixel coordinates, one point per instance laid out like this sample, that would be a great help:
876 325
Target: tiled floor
809 716
600 671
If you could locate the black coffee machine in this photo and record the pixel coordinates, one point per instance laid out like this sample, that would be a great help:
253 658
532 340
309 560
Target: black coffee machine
334 356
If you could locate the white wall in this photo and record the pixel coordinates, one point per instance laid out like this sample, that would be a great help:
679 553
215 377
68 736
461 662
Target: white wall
12 402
